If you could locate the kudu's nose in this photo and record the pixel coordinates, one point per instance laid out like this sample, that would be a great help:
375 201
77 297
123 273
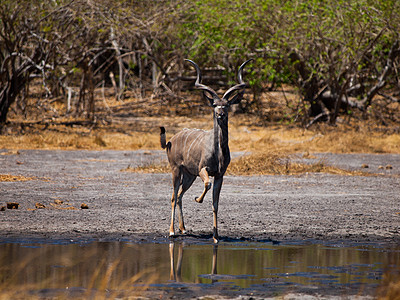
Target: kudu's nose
221 115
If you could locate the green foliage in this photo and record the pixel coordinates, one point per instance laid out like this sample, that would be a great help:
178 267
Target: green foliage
323 31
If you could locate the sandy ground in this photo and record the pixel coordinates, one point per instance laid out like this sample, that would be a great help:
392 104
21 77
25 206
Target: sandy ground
133 206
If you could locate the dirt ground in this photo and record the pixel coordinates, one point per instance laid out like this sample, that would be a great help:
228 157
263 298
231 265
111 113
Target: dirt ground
135 206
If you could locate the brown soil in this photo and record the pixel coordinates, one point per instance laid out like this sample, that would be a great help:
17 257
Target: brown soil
135 206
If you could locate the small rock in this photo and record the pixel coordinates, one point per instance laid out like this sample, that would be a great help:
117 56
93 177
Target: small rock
12 205
364 166
389 167
84 206
39 205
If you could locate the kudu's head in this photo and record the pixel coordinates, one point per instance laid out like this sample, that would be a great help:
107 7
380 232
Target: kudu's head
231 96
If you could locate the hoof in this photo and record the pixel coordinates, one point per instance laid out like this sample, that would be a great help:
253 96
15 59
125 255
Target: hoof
215 235
171 234
197 200
182 231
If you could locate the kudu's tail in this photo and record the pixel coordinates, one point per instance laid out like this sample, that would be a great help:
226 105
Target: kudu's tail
163 139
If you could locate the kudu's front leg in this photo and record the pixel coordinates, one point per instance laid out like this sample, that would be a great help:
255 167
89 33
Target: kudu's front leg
207 185
216 192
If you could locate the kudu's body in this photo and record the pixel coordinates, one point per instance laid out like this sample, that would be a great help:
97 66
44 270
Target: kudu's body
194 152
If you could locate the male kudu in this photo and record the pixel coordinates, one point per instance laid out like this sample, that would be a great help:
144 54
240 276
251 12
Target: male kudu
194 152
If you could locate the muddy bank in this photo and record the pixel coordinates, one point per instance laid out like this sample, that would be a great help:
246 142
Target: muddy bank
132 206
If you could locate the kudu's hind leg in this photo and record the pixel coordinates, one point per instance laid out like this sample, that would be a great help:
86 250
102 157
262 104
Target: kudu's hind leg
176 181
207 185
187 181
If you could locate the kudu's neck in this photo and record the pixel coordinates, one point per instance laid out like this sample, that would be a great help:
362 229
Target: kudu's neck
221 136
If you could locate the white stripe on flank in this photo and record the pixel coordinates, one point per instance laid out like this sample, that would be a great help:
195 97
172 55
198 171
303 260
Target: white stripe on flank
188 151
187 136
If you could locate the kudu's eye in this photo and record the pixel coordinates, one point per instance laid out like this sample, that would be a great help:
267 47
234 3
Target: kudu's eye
220 108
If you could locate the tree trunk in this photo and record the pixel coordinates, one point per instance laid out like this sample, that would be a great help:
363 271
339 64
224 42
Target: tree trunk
91 102
121 79
394 52
5 102
309 84
8 94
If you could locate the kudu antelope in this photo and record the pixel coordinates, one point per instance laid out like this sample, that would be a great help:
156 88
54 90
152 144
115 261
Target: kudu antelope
194 152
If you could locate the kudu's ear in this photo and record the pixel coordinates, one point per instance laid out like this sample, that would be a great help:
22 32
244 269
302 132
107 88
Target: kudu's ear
208 92
209 97
236 98
235 93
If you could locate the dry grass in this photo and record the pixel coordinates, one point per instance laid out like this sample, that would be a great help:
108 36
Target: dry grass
290 139
263 163
390 287
244 136
72 140
13 178
273 163
150 168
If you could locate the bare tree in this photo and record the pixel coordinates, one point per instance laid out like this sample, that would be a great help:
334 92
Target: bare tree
24 51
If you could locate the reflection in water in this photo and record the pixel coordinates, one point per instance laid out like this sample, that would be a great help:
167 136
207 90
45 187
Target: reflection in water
175 274
231 269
